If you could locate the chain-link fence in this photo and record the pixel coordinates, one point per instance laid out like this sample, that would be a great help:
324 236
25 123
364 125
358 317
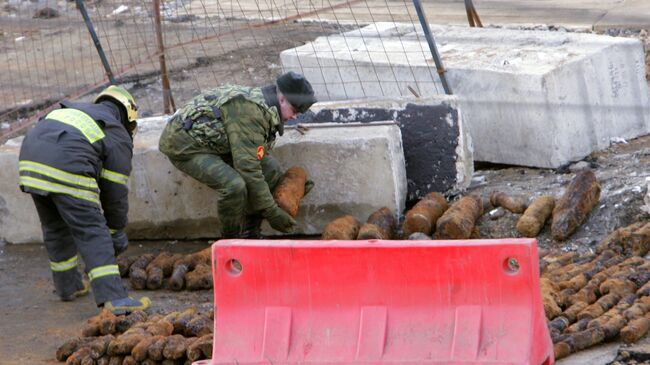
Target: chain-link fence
49 54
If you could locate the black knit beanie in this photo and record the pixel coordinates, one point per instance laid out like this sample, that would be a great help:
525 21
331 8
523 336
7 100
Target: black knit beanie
297 90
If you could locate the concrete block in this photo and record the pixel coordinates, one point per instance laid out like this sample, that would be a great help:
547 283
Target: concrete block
18 219
437 145
356 169
530 98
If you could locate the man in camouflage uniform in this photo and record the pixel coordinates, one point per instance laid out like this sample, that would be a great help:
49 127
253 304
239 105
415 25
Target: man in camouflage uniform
222 138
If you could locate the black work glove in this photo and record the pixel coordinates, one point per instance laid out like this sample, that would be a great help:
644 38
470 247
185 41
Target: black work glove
308 186
280 220
120 241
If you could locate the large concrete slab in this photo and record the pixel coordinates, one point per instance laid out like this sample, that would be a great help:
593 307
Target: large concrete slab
578 13
529 98
437 145
357 169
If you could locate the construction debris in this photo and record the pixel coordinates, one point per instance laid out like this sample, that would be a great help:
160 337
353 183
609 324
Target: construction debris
291 190
574 206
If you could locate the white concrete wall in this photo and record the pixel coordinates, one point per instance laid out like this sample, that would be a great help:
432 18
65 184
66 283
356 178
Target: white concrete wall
356 170
528 97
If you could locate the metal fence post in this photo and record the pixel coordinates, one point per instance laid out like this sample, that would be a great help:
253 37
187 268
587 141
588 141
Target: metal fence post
98 45
168 100
432 46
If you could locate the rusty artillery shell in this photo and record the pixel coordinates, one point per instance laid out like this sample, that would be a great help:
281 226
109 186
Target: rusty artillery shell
459 220
644 290
574 206
535 216
71 346
99 346
549 294
561 350
160 327
199 326
116 360
424 215
124 263
291 190
183 318
123 323
138 273
587 294
587 338
199 278
155 351
618 286
515 204
571 313
175 347
576 283
602 305
419 236
81 356
342 228
201 348
101 324
140 350
159 268
615 240
636 329
129 360
122 345
380 226
559 324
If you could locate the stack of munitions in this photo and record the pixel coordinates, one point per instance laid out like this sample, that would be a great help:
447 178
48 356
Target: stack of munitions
192 271
176 338
590 299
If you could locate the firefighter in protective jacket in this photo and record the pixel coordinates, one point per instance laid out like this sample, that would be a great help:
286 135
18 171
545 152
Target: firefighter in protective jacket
75 164
222 138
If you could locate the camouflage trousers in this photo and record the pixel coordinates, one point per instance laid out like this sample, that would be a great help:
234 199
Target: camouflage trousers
236 215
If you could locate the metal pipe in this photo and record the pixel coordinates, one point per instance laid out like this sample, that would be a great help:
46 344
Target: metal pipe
98 45
432 46
468 10
168 101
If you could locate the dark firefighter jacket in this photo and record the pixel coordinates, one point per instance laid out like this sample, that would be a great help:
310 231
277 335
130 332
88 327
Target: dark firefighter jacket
84 151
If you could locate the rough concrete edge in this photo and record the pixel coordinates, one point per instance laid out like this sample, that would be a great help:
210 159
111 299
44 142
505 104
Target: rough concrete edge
465 153
401 188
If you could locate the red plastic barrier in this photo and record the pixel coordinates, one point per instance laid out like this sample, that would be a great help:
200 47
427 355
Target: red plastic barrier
378 302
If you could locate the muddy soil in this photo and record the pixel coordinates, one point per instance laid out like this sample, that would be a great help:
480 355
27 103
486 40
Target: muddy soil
33 322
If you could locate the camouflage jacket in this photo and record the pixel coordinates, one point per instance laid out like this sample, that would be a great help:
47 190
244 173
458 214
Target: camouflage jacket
246 130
